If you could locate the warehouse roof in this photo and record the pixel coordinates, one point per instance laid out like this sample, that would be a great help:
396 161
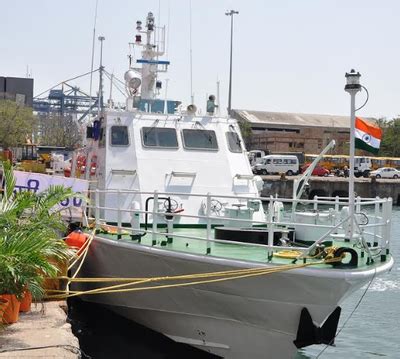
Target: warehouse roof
264 118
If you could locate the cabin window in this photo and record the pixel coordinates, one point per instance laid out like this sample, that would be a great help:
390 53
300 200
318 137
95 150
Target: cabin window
199 139
234 142
159 137
119 136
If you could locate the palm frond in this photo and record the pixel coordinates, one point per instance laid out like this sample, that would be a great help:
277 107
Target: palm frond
30 243
9 180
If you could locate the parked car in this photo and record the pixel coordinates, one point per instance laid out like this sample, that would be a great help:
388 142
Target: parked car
317 171
386 172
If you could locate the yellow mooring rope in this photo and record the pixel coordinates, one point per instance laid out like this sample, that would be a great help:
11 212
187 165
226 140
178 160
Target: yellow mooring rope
194 279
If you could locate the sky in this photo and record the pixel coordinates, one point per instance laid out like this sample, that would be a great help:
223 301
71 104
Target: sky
288 55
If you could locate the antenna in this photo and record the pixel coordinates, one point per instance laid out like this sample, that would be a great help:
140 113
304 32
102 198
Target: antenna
218 100
167 40
157 37
100 105
191 53
159 15
230 13
93 42
110 101
28 71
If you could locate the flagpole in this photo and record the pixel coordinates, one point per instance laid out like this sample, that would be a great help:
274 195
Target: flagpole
352 87
352 153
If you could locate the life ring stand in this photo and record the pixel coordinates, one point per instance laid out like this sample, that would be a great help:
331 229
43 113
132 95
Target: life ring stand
340 253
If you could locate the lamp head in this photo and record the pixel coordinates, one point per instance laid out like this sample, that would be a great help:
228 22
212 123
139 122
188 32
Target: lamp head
231 12
352 81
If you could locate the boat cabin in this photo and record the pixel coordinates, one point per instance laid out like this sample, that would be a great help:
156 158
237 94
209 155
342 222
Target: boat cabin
185 154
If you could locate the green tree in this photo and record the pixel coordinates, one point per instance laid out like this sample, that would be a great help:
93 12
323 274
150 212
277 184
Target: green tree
245 129
57 130
16 123
390 144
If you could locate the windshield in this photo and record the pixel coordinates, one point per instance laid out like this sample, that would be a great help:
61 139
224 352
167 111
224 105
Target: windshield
234 142
199 139
159 137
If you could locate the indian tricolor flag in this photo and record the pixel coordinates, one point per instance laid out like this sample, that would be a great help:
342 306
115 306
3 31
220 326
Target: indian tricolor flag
367 136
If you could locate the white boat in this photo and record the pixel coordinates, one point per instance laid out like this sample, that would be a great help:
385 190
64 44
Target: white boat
177 190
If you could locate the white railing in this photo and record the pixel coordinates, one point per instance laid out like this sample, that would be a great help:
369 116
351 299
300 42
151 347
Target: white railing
372 222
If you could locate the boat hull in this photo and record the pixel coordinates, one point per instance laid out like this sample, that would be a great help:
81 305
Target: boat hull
255 317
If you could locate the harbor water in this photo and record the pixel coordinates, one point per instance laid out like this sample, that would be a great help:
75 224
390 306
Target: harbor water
369 325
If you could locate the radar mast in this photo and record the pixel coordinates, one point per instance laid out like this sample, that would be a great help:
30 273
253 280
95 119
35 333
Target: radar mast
147 87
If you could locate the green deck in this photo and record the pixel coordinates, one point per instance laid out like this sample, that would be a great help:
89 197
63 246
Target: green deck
234 250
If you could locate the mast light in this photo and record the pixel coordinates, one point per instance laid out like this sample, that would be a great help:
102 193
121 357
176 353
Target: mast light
352 81
150 21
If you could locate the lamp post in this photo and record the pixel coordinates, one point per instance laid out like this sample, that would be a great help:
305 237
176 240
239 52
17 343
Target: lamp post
230 13
352 87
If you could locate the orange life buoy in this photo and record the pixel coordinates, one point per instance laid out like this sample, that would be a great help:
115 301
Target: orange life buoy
76 239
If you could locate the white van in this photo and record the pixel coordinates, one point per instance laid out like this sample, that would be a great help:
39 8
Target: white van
255 156
273 164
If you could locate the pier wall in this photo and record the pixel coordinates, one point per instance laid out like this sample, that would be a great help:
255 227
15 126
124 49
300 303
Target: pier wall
334 186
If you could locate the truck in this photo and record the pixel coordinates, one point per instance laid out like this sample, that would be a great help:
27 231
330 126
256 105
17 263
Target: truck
362 166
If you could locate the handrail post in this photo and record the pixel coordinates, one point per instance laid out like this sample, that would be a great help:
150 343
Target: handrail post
90 203
208 213
97 208
389 224
270 227
315 203
155 214
119 214
387 206
376 215
355 219
358 204
337 208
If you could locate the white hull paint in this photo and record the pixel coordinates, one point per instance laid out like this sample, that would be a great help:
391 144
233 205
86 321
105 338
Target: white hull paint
254 317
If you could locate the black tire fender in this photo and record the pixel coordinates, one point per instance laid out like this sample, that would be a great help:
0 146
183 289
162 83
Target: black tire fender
353 261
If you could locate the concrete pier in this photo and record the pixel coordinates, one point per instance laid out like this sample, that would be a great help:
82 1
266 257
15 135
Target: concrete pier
334 186
41 333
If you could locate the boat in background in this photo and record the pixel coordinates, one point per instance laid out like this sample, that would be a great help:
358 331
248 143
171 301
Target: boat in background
213 264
